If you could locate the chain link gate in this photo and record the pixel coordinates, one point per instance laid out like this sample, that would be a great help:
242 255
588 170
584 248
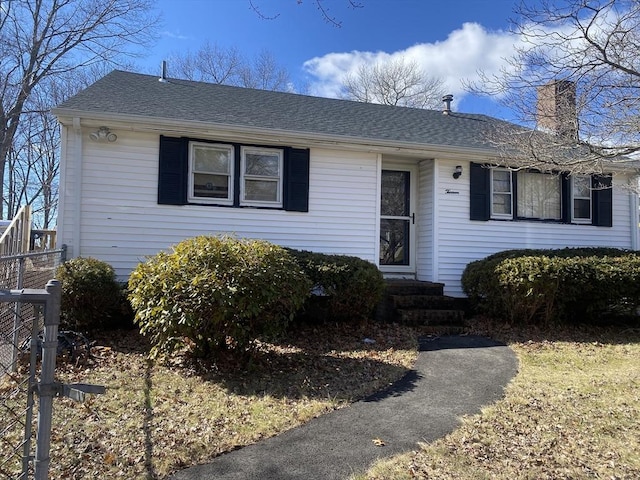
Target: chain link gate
20 323
29 318
20 382
29 315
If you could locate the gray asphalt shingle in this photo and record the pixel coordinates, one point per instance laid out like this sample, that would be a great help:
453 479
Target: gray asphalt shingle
143 95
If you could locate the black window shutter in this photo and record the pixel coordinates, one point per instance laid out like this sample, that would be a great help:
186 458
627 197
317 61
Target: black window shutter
480 192
567 207
173 171
602 201
296 179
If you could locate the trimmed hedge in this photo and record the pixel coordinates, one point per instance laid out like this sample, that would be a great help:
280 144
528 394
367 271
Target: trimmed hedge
217 293
92 299
571 284
346 288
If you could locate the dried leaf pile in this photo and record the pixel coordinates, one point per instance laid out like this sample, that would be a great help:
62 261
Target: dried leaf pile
159 417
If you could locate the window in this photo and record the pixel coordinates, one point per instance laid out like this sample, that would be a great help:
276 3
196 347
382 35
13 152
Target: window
210 176
194 171
501 193
581 199
261 177
539 196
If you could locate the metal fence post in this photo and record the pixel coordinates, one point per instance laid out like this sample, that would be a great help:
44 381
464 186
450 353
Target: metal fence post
33 360
17 316
47 387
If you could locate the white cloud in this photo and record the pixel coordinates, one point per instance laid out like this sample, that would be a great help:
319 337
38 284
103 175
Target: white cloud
454 60
174 35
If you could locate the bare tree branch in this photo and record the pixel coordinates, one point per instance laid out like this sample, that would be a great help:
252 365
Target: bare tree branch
215 64
320 6
41 39
397 82
595 44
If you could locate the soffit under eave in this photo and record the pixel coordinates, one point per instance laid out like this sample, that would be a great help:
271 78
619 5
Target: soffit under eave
298 139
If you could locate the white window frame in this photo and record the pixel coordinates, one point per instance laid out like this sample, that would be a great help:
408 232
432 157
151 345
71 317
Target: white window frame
244 176
503 216
215 201
575 197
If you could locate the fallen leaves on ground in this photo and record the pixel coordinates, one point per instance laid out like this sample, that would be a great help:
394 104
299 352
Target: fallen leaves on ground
157 418
572 412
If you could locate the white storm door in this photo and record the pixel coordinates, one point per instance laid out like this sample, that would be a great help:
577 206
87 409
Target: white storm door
397 220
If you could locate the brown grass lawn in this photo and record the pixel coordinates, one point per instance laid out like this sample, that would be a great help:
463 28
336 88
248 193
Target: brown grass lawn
156 418
572 412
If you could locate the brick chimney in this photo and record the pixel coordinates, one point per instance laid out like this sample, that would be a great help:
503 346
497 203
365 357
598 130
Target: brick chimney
556 109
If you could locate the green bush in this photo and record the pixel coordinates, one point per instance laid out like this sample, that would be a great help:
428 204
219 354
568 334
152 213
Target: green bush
571 284
345 287
92 299
216 293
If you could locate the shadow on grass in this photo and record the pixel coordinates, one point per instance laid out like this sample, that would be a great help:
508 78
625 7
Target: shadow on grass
620 333
148 421
331 361
317 362
298 375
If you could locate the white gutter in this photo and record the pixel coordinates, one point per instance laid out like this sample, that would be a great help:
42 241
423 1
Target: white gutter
77 203
293 138
60 227
378 208
634 207
435 231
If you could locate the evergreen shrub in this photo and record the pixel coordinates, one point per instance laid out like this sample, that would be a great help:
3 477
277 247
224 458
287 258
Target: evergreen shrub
570 284
345 287
216 294
92 298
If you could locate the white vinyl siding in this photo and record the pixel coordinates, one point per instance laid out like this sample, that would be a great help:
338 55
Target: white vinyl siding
461 240
424 220
122 223
119 220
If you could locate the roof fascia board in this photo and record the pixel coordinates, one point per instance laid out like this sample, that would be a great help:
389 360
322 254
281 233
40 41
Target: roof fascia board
290 137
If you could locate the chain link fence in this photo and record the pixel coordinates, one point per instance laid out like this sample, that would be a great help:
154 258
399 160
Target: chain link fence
28 270
23 279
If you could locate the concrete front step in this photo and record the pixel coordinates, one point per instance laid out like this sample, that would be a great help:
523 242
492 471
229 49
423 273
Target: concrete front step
431 317
426 330
413 287
422 305
424 302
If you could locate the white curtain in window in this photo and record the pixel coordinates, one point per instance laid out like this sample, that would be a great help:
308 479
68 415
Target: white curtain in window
539 196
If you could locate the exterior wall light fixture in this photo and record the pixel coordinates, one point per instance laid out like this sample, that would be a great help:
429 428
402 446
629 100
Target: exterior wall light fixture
103 134
457 172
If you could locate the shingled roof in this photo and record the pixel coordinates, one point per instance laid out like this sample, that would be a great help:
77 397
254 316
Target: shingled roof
137 95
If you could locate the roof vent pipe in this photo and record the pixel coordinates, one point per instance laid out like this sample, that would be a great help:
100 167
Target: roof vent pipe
163 72
447 99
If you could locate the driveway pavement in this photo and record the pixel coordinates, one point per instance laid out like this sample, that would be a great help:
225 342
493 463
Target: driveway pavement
453 376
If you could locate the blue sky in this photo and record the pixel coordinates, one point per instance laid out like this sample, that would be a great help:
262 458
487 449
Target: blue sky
449 39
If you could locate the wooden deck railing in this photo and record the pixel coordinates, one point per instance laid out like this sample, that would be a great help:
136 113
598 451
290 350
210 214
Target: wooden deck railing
42 240
17 236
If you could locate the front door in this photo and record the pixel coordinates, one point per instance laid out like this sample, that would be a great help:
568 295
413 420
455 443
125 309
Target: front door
397 221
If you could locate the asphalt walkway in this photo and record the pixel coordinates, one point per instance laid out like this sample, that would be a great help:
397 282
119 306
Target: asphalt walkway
453 376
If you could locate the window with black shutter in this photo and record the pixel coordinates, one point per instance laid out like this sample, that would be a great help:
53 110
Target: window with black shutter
203 172
503 194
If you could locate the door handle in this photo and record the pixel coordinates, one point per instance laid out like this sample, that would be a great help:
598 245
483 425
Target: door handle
413 218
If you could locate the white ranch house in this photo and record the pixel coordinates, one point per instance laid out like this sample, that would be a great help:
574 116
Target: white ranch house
147 163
